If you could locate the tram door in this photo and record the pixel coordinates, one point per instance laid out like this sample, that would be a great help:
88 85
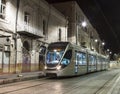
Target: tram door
76 63
92 63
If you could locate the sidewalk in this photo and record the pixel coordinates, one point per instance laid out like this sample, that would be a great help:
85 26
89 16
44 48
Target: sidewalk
9 78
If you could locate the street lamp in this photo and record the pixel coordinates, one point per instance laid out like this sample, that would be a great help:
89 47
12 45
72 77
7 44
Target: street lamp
96 40
84 24
80 25
108 50
103 43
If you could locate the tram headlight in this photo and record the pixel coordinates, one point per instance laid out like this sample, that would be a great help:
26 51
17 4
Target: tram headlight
58 67
45 67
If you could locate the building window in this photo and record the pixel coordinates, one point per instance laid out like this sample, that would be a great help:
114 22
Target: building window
26 18
44 27
59 34
2 8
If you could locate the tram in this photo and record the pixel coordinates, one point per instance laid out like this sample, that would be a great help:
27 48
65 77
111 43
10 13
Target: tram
66 59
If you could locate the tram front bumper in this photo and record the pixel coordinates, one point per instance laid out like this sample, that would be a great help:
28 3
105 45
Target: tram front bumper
52 73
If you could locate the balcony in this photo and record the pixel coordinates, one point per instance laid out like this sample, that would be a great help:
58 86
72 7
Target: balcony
29 31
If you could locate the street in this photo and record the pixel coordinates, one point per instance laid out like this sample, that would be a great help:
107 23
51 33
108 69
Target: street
94 83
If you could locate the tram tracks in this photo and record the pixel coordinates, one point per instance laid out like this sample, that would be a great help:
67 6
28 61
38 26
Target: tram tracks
67 85
98 89
18 85
107 85
40 82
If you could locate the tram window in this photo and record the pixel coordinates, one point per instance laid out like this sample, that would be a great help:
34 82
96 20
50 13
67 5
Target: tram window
84 59
81 58
68 54
92 59
67 57
98 60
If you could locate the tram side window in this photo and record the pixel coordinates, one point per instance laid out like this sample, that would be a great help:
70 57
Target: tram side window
98 62
102 60
92 60
68 54
67 57
84 59
81 58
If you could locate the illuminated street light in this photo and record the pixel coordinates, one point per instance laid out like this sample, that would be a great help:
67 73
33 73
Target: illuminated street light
96 40
84 24
103 43
108 50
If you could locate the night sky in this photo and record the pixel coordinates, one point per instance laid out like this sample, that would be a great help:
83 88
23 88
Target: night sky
104 15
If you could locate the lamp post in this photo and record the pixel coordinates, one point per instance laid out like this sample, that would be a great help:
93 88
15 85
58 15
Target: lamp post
15 35
84 24
80 25
103 43
108 50
96 40
97 45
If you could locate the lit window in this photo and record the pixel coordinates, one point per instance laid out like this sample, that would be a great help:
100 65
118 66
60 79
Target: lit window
2 9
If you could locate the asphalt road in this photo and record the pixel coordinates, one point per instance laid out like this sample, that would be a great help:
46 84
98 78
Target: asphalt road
94 83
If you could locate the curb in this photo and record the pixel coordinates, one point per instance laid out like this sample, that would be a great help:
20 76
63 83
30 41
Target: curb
18 79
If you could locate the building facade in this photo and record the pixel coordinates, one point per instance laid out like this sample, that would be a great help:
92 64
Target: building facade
80 30
26 28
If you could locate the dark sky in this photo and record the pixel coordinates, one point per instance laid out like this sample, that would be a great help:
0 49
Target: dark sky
104 15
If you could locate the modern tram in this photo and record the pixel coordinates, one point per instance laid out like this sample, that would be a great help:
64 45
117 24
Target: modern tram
66 59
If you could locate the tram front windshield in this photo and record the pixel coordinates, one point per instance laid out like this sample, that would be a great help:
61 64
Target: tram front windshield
54 54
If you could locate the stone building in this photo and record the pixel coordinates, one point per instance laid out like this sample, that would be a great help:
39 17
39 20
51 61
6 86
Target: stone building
80 30
26 28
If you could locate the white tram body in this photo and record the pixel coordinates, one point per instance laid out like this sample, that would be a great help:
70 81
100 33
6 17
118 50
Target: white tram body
66 59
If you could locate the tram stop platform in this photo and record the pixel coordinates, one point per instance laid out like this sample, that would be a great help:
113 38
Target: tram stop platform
9 78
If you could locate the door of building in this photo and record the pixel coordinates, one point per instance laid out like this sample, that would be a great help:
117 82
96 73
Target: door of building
26 59
6 60
42 57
